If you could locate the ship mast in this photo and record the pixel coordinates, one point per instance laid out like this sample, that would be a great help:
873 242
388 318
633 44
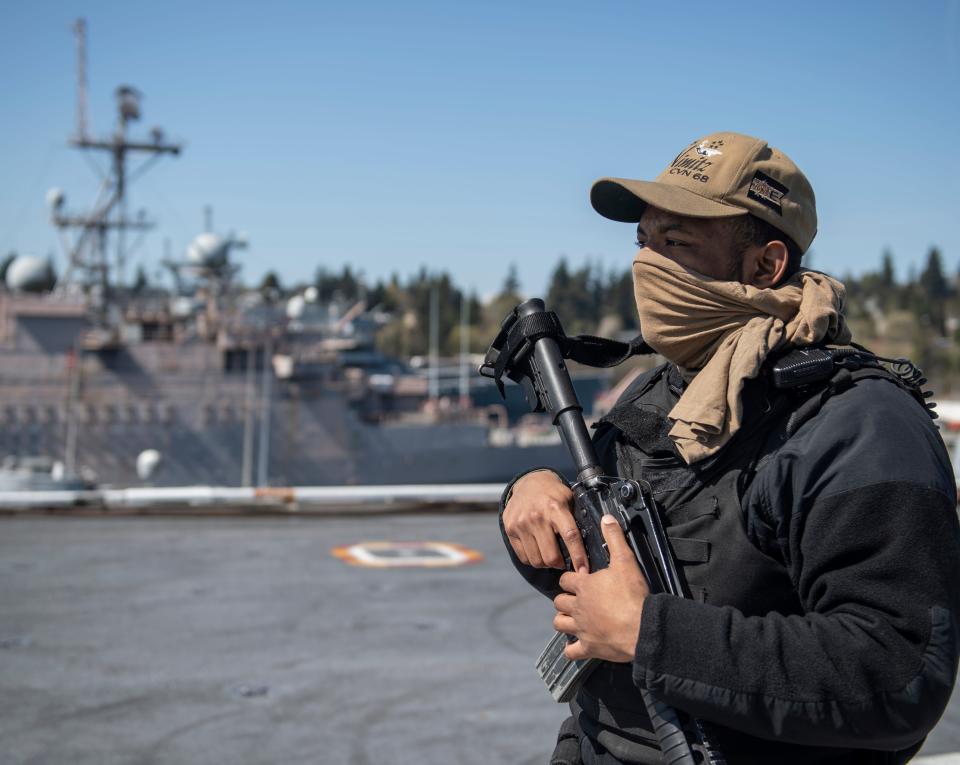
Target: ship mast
88 252
80 32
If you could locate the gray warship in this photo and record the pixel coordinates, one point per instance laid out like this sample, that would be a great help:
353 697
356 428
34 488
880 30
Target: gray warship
122 385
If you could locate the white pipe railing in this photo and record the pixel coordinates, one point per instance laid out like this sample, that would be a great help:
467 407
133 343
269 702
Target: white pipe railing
289 497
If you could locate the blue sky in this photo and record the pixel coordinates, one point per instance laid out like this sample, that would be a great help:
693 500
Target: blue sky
465 137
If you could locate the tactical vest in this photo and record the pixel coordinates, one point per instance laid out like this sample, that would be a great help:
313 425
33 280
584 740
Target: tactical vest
700 507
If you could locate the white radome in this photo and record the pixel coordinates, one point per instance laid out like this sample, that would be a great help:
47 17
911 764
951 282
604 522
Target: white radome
29 273
55 197
208 250
147 462
296 306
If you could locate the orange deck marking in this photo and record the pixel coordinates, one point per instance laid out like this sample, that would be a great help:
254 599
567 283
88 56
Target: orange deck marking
407 554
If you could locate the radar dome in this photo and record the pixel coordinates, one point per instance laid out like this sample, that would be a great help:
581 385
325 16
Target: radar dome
208 250
55 197
29 273
295 307
147 463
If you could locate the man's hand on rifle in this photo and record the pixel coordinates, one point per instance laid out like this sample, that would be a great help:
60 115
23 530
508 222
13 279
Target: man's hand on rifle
602 610
539 510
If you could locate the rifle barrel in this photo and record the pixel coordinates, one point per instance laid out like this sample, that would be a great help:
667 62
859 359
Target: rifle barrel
556 390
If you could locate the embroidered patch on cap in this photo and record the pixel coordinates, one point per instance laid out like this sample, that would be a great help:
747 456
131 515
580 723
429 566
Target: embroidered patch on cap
767 191
711 149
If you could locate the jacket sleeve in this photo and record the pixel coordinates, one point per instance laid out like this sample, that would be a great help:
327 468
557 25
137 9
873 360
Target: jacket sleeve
862 508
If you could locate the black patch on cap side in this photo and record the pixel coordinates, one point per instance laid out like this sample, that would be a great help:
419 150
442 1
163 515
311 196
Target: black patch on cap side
767 191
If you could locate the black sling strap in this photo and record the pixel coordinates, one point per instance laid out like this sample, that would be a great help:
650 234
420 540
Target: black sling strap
518 334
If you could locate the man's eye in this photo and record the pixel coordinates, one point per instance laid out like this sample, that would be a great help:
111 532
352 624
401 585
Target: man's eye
675 243
640 243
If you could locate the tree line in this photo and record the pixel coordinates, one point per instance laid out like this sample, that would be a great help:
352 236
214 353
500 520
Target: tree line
917 316
585 297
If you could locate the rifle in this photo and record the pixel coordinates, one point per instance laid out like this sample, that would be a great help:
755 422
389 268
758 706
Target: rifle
530 350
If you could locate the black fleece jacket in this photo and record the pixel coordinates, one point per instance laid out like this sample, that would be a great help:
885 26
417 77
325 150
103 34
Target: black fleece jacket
860 506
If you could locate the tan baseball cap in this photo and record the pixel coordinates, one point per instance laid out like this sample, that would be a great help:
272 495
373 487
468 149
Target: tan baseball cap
720 176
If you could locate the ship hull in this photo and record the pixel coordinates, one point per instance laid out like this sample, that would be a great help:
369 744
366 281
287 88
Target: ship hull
178 401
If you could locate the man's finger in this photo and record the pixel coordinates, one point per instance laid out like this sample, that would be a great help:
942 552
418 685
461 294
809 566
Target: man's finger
564 603
548 548
565 624
570 582
573 540
532 552
616 541
518 550
575 651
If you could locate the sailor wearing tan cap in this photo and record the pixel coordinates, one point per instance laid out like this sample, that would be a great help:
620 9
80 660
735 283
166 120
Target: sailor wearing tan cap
805 490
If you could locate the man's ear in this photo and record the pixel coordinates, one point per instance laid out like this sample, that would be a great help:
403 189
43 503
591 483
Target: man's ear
765 265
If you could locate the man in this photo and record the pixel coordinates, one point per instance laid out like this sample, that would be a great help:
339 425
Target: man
816 528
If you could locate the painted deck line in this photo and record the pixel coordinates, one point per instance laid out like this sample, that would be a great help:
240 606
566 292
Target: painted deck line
951 758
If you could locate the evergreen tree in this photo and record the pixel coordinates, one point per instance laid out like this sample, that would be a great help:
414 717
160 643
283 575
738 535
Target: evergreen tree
325 282
888 275
511 285
932 280
270 286
578 297
934 289
380 296
620 299
348 285
345 286
559 283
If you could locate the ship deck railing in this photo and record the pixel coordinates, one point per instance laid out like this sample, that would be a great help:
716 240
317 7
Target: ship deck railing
273 499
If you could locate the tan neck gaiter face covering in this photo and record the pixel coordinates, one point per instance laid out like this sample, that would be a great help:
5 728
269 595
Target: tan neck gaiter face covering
721 332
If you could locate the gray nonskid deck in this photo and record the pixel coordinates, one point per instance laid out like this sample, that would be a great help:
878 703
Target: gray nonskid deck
245 641
178 640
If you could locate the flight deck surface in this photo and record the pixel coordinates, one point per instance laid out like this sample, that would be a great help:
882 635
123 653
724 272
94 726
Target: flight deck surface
247 641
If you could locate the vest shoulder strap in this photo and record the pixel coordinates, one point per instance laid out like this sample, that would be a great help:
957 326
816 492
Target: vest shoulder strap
798 406
643 383
814 375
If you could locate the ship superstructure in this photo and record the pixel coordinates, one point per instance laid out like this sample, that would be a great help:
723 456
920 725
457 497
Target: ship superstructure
214 384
